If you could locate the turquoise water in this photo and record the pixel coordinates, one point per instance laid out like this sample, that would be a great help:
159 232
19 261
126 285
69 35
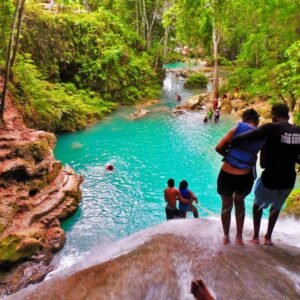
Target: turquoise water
181 64
145 153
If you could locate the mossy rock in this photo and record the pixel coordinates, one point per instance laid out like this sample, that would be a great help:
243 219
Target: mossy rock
16 247
56 168
293 204
35 150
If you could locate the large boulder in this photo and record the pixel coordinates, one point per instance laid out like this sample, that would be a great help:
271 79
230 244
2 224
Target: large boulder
36 191
138 114
226 105
162 262
196 102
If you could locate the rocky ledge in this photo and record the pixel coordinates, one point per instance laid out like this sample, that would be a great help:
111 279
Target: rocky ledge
36 192
161 262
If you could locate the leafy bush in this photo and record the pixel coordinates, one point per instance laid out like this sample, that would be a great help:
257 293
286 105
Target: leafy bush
92 50
293 204
173 57
54 107
196 80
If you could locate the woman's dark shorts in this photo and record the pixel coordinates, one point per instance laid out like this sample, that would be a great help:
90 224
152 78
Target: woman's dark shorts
239 184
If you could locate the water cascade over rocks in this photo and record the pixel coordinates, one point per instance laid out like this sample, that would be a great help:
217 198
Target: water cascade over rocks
161 262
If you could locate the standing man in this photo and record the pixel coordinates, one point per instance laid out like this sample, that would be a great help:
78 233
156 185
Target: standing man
215 104
171 195
278 158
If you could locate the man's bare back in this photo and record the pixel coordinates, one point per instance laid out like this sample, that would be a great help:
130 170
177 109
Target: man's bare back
171 195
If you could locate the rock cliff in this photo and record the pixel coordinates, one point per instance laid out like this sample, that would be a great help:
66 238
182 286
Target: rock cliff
36 191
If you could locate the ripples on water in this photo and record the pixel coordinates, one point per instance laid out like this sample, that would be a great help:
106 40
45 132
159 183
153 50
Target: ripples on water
145 153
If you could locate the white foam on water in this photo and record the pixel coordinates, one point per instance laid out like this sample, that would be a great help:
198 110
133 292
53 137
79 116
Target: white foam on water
286 232
190 228
295 277
185 277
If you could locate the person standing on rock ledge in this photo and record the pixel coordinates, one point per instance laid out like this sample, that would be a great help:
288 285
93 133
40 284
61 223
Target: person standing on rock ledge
171 195
278 158
236 178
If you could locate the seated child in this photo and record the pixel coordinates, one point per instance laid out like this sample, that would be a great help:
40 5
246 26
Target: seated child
187 194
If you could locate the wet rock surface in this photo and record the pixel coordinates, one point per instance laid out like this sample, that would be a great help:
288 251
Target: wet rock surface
179 252
36 191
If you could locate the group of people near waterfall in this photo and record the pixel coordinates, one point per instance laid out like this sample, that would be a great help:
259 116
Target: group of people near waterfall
186 198
279 146
212 115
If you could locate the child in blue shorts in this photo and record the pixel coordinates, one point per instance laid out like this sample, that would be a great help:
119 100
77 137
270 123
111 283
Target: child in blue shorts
187 194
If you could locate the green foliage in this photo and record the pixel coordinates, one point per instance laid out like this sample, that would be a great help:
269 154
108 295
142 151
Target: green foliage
6 13
268 59
173 57
93 51
10 250
293 204
288 73
54 107
196 80
296 118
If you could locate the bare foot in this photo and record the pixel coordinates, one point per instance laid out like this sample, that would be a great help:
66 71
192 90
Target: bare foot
268 242
254 241
239 241
200 291
226 240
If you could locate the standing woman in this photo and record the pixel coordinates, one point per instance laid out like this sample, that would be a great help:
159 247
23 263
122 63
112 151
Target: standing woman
236 176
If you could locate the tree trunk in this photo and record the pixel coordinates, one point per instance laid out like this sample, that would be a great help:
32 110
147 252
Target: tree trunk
158 54
137 16
8 60
19 25
282 98
150 26
145 20
293 101
216 40
166 38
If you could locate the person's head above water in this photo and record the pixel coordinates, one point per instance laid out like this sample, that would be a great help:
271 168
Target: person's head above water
250 116
171 182
183 185
109 167
280 112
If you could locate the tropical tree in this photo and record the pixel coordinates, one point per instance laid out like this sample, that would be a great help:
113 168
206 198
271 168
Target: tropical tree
12 49
200 23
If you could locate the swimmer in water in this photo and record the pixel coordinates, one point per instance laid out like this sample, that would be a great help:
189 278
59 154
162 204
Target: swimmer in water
109 168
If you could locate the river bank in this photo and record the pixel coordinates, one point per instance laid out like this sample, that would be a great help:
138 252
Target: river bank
36 193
